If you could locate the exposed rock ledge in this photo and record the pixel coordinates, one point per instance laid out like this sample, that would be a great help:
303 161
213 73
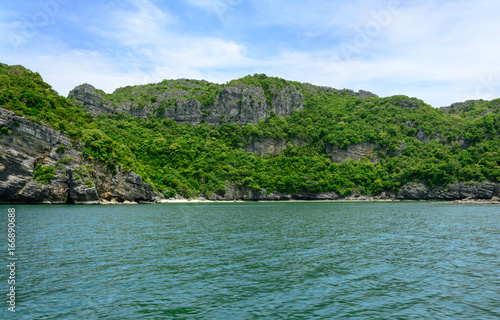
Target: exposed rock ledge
494 200
266 145
238 104
354 152
76 179
457 191
483 191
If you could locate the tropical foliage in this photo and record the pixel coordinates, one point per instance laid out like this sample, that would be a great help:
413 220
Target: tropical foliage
414 142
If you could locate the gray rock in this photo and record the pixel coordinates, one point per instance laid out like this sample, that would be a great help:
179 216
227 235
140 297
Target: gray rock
486 190
486 112
237 104
410 124
31 144
32 192
360 94
422 137
79 191
457 107
414 191
408 104
286 101
353 152
10 186
465 144
266 146
456 191
237 192
316 196
401 147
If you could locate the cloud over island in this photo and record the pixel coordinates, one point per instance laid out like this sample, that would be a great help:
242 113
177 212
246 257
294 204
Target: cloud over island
438 51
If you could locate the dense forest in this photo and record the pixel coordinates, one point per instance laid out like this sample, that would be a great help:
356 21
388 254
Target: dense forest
413 141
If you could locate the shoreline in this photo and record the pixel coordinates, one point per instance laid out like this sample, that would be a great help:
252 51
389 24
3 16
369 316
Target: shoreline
183 201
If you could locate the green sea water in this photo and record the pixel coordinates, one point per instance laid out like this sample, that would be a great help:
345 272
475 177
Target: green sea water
255 261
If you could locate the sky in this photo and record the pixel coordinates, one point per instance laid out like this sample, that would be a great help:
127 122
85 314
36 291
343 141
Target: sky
436 50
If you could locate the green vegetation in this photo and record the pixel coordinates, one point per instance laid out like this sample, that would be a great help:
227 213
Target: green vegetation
200 159
268 84
44 174
474 108
25 93
414 142
63 161
140 96
5 130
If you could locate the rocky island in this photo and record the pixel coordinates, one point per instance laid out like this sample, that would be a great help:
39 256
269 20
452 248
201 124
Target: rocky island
254 138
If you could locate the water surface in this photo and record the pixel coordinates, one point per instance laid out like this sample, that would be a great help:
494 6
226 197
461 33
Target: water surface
257 260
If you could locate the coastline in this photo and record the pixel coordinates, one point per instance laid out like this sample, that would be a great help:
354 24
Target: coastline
352 200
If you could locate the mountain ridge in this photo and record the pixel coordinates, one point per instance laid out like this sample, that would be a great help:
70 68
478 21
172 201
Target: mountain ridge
295 141
242 101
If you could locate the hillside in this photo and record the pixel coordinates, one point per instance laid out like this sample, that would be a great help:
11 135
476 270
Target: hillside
268 138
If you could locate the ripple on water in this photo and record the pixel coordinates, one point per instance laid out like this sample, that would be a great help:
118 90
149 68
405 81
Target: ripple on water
268 260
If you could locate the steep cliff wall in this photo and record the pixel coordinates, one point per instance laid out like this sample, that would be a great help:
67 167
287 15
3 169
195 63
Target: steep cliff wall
413 191
240 104
456 191
266 146
353 152
237 192
40 165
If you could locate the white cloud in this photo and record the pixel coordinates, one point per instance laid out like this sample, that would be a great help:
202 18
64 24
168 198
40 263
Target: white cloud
142 24
219 7
441 52
438 53
153 42
59 70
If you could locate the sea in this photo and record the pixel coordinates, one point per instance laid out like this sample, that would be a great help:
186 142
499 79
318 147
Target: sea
252 260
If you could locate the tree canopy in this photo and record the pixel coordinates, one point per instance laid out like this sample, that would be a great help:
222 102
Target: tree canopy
414 142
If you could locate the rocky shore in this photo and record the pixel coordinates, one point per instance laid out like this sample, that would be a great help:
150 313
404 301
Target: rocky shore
28 149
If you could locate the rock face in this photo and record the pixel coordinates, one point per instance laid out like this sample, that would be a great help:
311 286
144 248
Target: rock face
236 192
457 191
412 191
238 104
422 137
408 104
30 148
353 152
457 107
266 146
27 149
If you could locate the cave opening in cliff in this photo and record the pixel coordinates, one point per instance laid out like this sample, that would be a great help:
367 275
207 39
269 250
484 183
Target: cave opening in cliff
69 200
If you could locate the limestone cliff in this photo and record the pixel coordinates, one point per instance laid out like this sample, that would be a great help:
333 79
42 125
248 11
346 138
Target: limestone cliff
413 191
29 151
456 191
240 104
458 107
354 152
237 192
266 145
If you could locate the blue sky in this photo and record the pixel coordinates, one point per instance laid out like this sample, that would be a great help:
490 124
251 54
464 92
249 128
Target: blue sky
437 50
